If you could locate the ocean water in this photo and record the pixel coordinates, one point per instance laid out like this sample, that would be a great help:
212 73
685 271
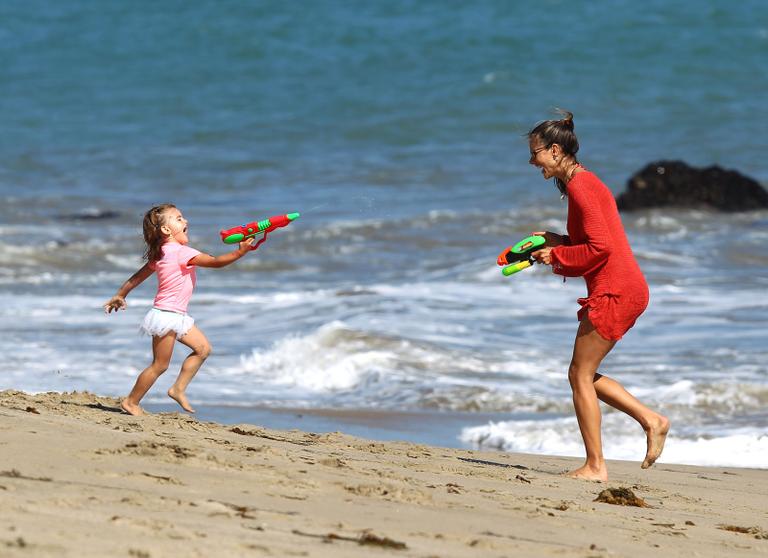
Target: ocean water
396 129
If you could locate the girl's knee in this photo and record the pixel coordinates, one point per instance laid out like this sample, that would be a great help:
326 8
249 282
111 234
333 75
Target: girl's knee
160 366
204 351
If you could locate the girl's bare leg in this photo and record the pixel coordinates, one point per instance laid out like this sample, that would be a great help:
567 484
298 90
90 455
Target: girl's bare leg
655 425
201 348
162 350
589 349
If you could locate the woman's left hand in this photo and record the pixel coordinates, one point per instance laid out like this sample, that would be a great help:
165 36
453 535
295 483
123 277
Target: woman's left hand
543 256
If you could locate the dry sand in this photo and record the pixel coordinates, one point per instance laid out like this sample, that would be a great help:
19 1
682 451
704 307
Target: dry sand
78 478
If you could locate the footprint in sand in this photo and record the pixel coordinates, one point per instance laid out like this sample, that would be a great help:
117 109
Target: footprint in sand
390 492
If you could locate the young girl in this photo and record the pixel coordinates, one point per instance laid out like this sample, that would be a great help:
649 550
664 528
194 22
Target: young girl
167 253
597 249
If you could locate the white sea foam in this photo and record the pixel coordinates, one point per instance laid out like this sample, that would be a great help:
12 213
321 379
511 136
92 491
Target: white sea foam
264 300
321 362
622 439
716 397
337 362
337 357
133 262
665 257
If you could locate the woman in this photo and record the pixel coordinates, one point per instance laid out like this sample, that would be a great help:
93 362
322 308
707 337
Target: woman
597 249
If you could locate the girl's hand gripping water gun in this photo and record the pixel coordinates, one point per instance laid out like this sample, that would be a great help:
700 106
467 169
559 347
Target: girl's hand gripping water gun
250 230
518 257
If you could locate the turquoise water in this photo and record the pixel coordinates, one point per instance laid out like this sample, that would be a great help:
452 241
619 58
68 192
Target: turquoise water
108 97
396 129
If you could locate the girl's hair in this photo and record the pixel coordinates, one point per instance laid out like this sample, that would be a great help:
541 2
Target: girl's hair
153 236
560 132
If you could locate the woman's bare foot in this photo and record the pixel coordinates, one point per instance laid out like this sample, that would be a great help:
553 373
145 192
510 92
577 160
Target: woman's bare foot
586 472
657 435
131 408
181 398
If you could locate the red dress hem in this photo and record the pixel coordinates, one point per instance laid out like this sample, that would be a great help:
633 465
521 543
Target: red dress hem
612 315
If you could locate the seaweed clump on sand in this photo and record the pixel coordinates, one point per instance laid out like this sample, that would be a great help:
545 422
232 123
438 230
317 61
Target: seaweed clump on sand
756 531
366 538
621 497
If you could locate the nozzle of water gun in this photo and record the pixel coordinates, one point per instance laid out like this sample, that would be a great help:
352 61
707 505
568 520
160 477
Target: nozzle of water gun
503 257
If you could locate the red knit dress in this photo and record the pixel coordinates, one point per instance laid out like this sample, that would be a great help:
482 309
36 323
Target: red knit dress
597 249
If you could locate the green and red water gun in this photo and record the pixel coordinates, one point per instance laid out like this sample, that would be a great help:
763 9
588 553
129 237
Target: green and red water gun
250 230
518 257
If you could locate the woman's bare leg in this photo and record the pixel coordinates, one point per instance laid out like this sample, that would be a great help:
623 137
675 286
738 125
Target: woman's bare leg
655 425
162 350
589 349
201 349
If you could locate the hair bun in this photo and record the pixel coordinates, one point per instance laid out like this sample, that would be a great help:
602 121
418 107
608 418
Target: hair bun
560 132
567 120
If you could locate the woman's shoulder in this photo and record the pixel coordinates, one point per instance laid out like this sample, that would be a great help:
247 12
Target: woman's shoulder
585 180
582 176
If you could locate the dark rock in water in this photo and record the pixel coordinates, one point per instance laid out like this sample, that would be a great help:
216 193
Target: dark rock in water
673 183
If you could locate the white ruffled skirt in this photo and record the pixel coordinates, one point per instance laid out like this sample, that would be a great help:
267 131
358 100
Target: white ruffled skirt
161 322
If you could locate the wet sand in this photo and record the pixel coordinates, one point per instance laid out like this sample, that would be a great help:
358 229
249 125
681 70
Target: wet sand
79 478
441 428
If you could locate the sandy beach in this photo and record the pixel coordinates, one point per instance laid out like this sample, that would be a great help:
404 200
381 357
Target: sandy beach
78 478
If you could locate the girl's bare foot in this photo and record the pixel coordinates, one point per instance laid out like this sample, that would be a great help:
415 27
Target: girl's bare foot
657 435
586 472
131 408
181 398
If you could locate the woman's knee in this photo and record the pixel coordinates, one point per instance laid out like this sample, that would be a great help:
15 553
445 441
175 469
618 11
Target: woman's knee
580 374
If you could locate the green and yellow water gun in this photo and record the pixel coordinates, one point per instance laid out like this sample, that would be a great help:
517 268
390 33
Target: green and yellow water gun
518 257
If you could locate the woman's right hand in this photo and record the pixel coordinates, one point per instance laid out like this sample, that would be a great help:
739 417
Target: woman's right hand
551 239
115 303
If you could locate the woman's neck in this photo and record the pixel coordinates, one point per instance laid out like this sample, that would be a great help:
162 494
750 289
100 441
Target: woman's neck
568 170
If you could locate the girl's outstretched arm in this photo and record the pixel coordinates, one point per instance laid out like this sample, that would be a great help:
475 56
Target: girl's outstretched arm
206 260
117 302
